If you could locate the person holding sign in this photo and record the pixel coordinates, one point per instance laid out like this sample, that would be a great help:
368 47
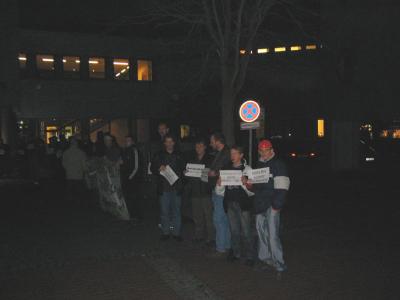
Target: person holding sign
268 202
238 204
221 223
168 165
200 194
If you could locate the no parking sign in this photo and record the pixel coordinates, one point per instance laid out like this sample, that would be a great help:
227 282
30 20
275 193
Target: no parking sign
249 111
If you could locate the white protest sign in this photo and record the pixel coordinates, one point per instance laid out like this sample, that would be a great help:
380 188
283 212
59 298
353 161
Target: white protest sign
204 174
231 177
169 175
194 170
261 175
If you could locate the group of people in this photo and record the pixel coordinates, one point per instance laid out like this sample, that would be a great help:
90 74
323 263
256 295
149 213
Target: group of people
223 214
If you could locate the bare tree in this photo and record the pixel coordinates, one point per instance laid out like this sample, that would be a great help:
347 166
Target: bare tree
231 25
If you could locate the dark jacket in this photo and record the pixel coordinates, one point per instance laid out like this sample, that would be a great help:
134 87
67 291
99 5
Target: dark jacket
196 187
176 162
221 160
237 193
274 192
130 163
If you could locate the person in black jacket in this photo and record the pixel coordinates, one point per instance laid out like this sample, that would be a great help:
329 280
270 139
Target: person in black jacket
238 205
131 179
221 222
269 200
170 195
200 195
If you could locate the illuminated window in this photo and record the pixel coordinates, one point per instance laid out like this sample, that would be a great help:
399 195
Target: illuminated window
311 47
243 52
51 131
295 48
262 50
71 66
144 70
45 65
121 69
280 49
321 128
97 67
22 60
185 131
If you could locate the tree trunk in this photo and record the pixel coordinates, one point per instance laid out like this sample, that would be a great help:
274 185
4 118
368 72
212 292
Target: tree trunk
228 105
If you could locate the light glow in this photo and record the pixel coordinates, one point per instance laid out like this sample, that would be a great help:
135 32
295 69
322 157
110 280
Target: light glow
94 62
22 58
242 51
321 128
47 59
120 63
262 50
295 48
280 49
311 47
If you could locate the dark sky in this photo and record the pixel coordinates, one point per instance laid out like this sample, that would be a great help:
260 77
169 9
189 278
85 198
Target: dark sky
115 17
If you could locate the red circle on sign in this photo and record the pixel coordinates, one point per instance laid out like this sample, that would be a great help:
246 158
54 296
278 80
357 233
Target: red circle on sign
249 111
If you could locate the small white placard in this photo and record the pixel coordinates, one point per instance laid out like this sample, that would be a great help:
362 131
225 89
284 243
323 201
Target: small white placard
231 177
204 174
170 175
261 175
194 170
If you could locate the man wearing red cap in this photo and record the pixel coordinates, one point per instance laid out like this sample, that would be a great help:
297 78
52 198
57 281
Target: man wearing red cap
269 199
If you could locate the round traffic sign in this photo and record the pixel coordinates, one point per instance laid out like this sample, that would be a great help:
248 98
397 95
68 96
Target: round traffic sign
249 111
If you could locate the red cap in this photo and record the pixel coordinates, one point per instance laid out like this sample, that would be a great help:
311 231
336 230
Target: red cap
264 144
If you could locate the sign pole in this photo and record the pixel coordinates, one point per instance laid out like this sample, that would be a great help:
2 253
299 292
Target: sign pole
250 147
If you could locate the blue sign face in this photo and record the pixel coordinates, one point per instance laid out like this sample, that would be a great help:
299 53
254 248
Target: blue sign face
249 111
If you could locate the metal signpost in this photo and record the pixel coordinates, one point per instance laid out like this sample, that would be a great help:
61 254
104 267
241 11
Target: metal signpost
249 112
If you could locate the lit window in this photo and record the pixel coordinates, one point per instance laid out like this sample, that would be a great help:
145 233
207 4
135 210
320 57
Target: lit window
97 67
311 47
121 69
243 52
295 48
51 131
144 71
185 131
71 66
321 128
262 50
22 60
45 65
280 49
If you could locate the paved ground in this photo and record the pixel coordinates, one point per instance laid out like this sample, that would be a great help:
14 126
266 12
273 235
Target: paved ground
340 235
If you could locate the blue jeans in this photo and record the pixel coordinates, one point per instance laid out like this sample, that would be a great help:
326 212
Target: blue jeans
240 222
170 205
269 244
221 223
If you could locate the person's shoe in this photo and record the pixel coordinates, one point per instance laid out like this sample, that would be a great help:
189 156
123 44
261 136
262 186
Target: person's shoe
249 262
231 257
210 243
217 254
178 238
164 237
